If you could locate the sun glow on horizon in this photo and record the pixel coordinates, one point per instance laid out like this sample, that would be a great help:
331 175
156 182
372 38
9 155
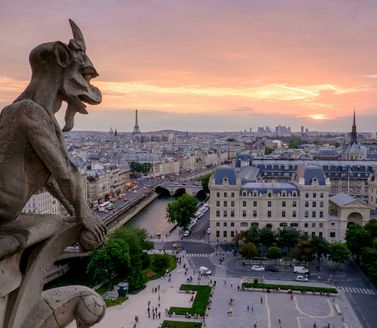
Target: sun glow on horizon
318 117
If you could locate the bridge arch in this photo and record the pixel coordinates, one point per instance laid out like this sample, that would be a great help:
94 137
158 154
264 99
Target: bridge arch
162 191
179 192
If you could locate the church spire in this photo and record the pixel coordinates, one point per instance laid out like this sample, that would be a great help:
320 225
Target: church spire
354 133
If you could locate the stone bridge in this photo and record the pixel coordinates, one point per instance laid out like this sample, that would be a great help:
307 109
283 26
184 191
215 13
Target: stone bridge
175 189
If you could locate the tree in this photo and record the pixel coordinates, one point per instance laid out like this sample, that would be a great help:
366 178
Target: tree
248 250
368 260
268 150
304 251
135 239
274 253
182 210
205 181
238 237
357 238
267 237
320 247
371 228
111 259
252 235
339 253
288 238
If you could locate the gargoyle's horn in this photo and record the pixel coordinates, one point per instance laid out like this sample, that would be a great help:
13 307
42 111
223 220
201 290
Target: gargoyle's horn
77 35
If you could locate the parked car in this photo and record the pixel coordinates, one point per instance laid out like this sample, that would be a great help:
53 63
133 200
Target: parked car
208 230
186 233
302 278
300 269
204 270
271 268
257 268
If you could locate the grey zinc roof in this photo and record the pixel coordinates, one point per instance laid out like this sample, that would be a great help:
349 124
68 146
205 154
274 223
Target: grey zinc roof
248 173
309 172
264 187
341 199
225 171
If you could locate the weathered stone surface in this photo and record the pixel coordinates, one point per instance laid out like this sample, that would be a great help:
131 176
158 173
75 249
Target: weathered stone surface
33 154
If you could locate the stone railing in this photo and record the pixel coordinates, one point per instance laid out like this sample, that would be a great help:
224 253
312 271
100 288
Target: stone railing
28 248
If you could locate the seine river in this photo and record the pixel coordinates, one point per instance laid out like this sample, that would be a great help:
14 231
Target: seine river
153 217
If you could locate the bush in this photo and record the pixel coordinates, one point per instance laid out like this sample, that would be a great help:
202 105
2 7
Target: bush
291 287
199 306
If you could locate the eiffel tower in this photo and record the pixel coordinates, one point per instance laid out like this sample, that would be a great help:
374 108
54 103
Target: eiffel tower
136 127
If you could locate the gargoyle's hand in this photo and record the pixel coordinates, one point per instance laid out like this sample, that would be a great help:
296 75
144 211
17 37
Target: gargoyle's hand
94 233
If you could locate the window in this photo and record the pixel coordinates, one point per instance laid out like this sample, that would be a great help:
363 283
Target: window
217 194
225 224
306 214
313 233
232 233
269 214
320 234
314 195
232 203
283 214
217 224
321 195
294 214
313 225
269 194
314 214
217 233
294 204
217 214
232 224
244 224
321 225
225 194
244 203
225 234
217 203
225 203
269 203
306 204
232 195
306 195
332 234
225 214
244 214
314 204
321 214
255 214
283 203
232 214
255 203
305 225
320 204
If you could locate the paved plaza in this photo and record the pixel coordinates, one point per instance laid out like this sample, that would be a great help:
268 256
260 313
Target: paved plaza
266 310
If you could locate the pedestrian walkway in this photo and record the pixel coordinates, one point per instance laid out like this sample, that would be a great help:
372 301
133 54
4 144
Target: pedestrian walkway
193 240
357 290
198 255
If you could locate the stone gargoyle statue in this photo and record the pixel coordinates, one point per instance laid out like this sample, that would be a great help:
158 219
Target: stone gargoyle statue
33 155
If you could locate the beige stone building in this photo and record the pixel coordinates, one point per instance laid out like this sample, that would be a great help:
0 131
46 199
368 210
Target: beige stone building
303 203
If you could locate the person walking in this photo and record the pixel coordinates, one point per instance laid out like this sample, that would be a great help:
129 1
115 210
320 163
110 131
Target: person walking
248 308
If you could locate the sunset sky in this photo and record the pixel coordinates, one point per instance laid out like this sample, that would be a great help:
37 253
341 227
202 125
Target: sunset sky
209 65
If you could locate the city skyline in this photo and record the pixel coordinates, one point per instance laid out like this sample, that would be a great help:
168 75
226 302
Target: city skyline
213 66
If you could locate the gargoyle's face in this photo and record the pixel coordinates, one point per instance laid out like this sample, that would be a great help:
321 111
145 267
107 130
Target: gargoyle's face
76 89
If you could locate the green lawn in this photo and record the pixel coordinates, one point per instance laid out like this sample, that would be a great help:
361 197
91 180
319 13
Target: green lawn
292 287
199 306
153 272
180 324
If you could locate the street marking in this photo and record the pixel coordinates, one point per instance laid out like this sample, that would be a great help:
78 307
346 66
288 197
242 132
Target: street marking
357 290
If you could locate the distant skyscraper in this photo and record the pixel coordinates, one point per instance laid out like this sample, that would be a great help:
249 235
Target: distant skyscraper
136 127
